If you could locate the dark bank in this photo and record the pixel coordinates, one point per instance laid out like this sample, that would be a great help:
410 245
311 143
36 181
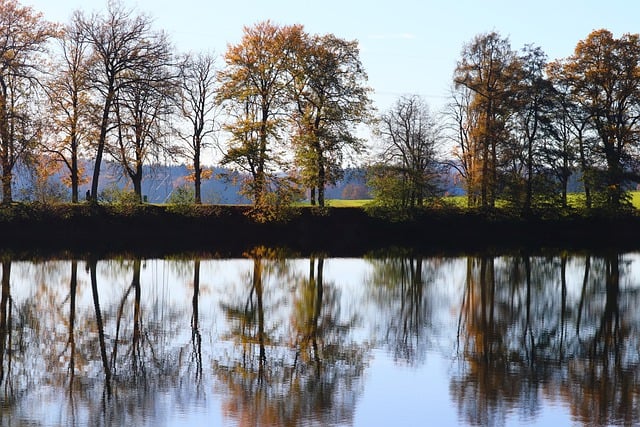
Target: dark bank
231 230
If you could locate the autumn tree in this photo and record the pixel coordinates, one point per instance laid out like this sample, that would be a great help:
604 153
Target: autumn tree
198 106
23 43
254 87
408 172
602 75
466 144
71 111
331 100
122 44
486 70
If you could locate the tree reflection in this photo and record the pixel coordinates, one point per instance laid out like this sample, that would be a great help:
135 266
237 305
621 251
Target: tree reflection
523 339
5 322
399 284
92 265
287 376
196 337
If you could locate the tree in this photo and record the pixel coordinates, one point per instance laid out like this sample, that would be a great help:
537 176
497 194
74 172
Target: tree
23 38
407 174
602 74
331 100
486 69
254 87
142 106
532 103
198 107
70 106
466 150
559 149
122 44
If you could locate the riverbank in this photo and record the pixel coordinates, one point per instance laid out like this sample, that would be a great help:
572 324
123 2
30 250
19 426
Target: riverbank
228 230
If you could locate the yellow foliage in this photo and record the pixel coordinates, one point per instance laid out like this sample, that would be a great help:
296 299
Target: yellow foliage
205 173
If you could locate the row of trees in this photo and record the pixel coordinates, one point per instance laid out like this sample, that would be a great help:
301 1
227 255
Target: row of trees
291 100
524 125
289 105
521 127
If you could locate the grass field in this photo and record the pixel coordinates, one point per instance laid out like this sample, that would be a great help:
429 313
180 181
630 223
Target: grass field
575 199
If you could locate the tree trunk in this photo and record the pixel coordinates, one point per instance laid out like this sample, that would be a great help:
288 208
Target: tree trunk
585 171
102 140
7 178
312 196
322 179
197 182
74 170
197 173
6 148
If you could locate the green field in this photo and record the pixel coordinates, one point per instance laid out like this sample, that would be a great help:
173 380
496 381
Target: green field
575 199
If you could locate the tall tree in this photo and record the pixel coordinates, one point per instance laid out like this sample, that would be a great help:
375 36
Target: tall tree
531 98
23 43
466 149
331 100
410 138
142 107
198 107
254 85
603 77
572 122
123 43
70 107
486 69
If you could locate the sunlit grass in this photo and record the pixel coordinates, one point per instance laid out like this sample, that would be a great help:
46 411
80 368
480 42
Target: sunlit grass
575 200
635 199
340 203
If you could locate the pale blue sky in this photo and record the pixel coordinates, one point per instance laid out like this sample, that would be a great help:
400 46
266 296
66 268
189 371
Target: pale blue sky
407 46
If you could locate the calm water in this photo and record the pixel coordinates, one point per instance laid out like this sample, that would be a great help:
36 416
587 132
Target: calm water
273 341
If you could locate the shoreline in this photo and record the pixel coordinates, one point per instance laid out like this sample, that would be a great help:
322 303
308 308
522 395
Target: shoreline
228 231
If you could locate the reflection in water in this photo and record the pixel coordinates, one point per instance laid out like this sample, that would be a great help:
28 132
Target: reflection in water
399 289
271 340
299 373
522 338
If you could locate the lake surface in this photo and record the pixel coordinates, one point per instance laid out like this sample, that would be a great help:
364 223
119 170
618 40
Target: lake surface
270 340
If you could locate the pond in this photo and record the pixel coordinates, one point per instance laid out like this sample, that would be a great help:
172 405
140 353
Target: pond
274 340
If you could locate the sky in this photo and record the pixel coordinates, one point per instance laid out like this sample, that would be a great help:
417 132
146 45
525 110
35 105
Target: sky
406 46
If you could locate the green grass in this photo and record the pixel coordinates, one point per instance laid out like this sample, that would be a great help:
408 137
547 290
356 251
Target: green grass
575 200
338 203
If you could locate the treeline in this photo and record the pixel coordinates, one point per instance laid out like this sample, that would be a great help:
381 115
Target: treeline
285 109
284 101
525 125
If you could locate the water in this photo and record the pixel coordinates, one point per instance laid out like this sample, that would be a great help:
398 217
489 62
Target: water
269 340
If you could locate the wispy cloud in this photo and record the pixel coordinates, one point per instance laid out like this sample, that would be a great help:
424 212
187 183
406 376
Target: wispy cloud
396 36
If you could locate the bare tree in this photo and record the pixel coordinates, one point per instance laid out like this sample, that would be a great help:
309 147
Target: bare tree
123 43
70 106
142 108
198 106
407 174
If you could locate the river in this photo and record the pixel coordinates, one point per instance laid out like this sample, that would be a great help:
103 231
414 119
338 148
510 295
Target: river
271 339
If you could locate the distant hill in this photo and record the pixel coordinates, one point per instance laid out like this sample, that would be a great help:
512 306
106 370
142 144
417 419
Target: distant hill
161 180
